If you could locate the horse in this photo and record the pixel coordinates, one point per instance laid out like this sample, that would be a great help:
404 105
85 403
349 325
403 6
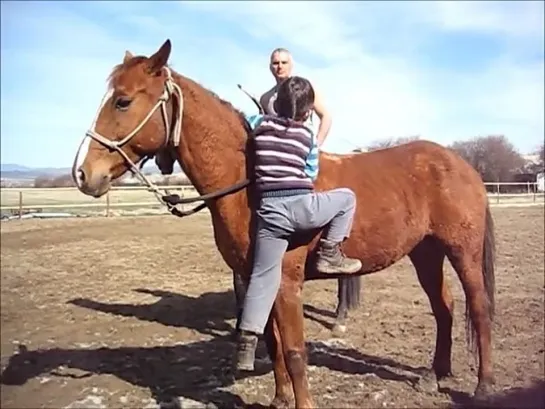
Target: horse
420 200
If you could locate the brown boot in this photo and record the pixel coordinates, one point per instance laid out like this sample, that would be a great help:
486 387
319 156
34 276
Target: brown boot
246 346
332 260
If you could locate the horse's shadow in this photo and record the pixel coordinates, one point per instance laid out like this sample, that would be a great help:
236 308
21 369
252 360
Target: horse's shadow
208 313
312 313
199 370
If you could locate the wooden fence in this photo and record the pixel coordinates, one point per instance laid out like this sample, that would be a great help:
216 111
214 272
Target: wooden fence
36 199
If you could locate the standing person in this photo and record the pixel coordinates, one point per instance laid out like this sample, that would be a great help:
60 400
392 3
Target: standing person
288 204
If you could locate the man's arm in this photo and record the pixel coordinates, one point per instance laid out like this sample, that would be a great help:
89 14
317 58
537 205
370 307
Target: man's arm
325 118
264 100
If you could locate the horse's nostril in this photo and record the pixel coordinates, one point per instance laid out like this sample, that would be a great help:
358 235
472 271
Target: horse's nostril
81 175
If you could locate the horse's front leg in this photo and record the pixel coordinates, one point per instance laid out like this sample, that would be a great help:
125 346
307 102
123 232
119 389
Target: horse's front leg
239 288
288 313
281 376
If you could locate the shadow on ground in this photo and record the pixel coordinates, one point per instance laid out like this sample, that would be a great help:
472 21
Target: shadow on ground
199 370
178 310
208 313
530 397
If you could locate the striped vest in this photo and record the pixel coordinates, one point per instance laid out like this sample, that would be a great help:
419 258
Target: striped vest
282 147
311 168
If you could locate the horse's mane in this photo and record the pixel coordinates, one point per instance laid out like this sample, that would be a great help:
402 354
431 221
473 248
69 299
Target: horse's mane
231 107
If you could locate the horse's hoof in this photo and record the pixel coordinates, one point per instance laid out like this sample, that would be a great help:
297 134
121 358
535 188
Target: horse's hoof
427 382
483 391
279 402
339 329
444 374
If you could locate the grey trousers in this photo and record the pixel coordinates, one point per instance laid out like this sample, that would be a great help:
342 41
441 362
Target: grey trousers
277 219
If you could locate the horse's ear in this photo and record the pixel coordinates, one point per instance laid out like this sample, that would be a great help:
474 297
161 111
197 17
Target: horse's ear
128 56
158 60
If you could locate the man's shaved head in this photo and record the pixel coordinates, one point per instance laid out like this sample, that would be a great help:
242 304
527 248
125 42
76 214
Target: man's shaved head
281 50
281 64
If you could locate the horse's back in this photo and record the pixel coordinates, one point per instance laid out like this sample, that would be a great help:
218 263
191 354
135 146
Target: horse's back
402 193
416 169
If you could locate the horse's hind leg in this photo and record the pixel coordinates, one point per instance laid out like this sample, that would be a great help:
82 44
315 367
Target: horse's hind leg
470 247
478 287
428 257
348 298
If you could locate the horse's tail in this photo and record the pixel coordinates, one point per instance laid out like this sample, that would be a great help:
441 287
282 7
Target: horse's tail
349 290
489 255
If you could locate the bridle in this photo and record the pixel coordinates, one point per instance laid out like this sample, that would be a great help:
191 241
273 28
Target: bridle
171 137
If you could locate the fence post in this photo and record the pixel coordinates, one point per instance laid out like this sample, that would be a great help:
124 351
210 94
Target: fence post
108 203
498 193
20 204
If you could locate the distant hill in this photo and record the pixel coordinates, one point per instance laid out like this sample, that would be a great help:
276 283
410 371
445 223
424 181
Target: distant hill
12 167
14 171
20 172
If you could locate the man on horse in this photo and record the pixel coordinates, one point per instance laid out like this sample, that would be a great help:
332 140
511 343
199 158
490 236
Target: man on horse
281 66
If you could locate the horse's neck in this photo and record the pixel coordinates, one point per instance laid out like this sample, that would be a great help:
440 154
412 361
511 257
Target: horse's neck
213 156
212 148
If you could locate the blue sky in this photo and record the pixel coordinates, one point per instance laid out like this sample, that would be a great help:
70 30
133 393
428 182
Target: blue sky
442 70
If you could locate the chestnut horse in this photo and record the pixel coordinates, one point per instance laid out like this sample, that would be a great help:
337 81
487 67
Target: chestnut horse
419 199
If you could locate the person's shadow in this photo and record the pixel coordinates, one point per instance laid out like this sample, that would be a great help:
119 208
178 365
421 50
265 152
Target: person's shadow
199 370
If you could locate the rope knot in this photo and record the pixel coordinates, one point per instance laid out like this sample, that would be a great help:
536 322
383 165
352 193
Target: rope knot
165 96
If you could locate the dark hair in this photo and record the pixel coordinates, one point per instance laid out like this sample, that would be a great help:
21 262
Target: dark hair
294 99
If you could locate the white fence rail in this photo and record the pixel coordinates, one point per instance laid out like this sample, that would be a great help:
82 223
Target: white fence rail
18 200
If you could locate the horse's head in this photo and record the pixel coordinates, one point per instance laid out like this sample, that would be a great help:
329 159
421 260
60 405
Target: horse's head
134 121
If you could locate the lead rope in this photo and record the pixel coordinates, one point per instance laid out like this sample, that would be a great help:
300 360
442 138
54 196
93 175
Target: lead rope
171 89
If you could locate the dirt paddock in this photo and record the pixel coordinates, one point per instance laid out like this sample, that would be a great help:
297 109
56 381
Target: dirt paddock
131 312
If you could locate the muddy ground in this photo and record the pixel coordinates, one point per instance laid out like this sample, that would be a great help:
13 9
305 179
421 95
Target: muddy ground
130 312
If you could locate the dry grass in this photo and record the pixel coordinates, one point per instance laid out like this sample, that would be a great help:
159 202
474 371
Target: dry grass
129 311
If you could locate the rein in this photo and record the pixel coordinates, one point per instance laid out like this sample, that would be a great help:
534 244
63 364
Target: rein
171 135
176 199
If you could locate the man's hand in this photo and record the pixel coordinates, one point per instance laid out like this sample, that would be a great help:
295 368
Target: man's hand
325 118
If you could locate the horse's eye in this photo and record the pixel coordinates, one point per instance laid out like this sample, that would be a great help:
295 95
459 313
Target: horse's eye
122 103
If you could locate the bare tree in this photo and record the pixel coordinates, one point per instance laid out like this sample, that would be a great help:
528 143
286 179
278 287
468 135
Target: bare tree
388 143
494 157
